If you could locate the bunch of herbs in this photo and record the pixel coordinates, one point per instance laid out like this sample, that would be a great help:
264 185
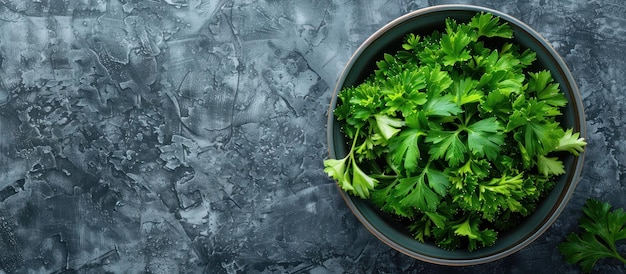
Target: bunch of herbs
457 136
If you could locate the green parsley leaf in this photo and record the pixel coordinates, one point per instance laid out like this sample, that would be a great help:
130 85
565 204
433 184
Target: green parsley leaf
404 92
453 46
438 181
599 219
362 183
364 101
506 62
388 126
527 57
541 138
437 80
404 149
489 26
547 91
447 144
380 197
336 168
437 219
497 104
585 250
540 133
602 228
465 91
467 228
416 194
501 193
417 120
412 42
571 142
550 165
441 106
485 137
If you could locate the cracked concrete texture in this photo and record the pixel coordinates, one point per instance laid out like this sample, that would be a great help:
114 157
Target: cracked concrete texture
188 136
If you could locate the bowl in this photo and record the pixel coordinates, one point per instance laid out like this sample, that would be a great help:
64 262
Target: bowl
388 40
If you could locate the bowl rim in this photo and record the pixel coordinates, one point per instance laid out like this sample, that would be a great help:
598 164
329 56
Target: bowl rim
579 121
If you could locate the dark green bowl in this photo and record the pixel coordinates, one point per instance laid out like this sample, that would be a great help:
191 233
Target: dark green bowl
388 40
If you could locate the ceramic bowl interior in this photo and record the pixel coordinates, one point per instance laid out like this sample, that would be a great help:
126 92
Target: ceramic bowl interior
388 40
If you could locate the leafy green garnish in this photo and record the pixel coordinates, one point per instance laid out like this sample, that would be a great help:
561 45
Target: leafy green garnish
457 135
602 228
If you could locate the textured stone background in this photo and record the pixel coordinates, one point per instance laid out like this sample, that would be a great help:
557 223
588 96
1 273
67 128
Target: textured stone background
186 136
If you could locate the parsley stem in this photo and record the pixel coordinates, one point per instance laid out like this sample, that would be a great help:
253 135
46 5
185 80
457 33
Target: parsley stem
356 136
619 257
351 153
468 117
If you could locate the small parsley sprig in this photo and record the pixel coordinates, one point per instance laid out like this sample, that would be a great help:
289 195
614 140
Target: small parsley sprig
601 228
454 134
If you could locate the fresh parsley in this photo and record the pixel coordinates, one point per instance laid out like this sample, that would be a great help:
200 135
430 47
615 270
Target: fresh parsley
456 135
601 229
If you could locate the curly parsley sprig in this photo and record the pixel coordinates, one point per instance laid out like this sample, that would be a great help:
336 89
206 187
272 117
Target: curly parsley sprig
454 134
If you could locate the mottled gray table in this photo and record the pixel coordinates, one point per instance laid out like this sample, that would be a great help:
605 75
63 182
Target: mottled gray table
186 136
